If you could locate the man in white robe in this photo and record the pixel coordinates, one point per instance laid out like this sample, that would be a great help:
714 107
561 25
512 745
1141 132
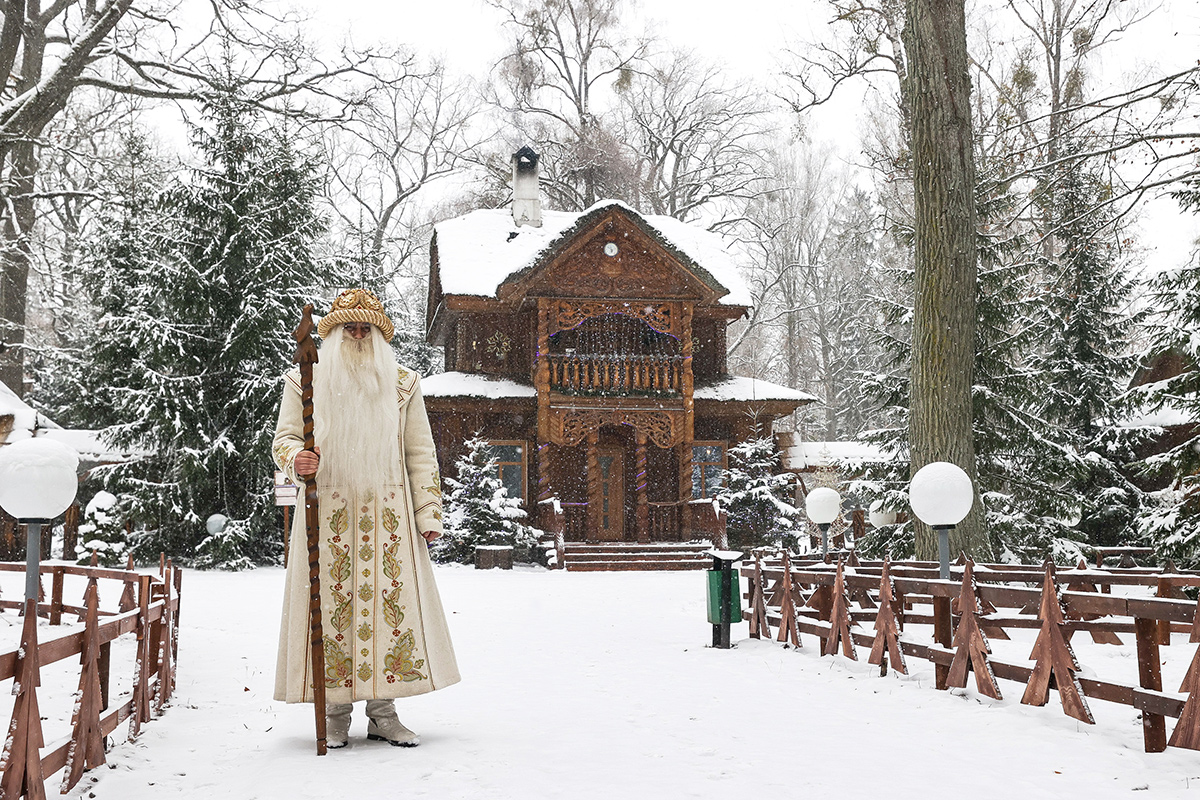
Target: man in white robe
384 630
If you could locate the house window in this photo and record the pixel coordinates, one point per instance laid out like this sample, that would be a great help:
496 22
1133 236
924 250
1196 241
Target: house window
510 466
708 460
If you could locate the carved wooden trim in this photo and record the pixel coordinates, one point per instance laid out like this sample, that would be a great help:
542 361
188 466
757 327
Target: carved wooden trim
569 427
568 314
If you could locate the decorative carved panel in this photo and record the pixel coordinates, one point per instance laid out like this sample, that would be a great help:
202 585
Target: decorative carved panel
570 314
615 258
569 427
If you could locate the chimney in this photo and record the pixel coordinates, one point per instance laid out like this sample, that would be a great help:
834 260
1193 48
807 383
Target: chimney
527 202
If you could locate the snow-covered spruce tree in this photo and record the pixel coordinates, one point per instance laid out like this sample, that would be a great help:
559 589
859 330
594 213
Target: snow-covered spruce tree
479 511
1172 525
757 498
1085 360
102 531
195 332
225 549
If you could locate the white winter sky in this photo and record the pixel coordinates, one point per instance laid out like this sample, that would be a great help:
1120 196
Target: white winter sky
752 37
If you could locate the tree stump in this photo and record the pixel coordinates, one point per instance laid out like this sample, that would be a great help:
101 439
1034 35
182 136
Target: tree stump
493 556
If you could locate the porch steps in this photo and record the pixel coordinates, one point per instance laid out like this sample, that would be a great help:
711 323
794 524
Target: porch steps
578 557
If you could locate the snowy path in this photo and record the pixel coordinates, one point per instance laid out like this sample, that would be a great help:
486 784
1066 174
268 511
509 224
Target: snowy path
591 685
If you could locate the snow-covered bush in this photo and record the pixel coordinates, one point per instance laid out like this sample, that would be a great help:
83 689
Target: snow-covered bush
225 550
102 531
758 498
478 511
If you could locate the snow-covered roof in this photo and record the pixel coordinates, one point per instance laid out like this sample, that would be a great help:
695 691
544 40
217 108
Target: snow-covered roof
807 455
26 419
465 384
735 387
478 251
89 444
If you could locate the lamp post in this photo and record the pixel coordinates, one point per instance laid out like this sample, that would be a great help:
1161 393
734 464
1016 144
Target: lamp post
38 482
823 506
941 495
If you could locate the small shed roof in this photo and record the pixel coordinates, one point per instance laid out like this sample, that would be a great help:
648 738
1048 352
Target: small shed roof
479 251
466 384
802 456
735 387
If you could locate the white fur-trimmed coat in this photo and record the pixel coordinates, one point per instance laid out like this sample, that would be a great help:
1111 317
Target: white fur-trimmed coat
384 629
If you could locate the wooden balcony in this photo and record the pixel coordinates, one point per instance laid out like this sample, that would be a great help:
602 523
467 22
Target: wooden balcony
615 374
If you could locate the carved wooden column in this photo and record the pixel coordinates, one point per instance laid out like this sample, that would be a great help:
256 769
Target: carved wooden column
643 510
689 428
593 485
685 490
541 370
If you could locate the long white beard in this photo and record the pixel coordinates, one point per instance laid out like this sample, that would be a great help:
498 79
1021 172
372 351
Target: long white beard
356 414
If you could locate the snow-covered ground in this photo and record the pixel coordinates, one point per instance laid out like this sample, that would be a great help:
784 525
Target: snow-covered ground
600 685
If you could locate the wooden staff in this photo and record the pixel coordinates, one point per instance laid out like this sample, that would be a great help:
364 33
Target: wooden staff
306 356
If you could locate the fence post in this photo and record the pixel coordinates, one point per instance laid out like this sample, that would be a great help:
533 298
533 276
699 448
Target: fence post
23 764
56 595
1154 726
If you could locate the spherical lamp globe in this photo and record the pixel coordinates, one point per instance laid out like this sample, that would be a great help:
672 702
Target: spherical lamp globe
823 505
38 479
879 516
941 494
216 524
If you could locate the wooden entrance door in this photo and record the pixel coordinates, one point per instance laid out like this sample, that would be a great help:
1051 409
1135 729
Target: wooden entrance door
610 517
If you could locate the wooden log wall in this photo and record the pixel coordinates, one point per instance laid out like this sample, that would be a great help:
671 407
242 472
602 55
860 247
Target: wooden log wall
148 610
991 598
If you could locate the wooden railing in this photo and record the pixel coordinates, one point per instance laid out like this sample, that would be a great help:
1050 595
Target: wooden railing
574 522
616 374
663 522
819 599
148 611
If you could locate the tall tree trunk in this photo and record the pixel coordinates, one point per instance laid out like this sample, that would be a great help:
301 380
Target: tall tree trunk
15 256
940 422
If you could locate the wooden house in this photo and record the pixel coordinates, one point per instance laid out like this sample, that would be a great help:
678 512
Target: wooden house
590 350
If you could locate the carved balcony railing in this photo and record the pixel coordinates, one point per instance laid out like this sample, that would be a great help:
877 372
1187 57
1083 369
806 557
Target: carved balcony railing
616 374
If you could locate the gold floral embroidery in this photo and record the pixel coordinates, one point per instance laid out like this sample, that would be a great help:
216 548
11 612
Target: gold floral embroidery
285 455
436 488
366 573
392 613
366 552
390 521
341 567
364 632
366 524
338 665
391 564
366 592
401 374
343 611
364 672
400 661
339 520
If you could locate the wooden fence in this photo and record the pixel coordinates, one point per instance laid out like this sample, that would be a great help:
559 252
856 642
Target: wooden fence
148 610
828 601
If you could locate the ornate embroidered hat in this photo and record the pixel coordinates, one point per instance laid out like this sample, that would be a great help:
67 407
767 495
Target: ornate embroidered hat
356 305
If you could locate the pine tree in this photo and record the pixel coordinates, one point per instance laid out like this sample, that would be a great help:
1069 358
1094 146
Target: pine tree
479 511
194 336
756 496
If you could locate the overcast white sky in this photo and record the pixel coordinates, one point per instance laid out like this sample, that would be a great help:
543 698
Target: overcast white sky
751 37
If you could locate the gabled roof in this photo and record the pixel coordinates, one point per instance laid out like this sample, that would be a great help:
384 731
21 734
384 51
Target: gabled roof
480 251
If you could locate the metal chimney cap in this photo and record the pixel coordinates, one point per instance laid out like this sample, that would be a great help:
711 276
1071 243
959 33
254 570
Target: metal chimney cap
526 159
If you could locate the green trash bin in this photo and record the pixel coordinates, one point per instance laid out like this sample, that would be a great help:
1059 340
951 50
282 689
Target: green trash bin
714 597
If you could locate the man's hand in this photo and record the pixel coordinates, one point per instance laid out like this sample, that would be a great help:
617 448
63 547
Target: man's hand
307 462
430 536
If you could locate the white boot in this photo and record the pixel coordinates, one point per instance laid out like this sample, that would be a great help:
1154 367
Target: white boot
337 724
385 725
